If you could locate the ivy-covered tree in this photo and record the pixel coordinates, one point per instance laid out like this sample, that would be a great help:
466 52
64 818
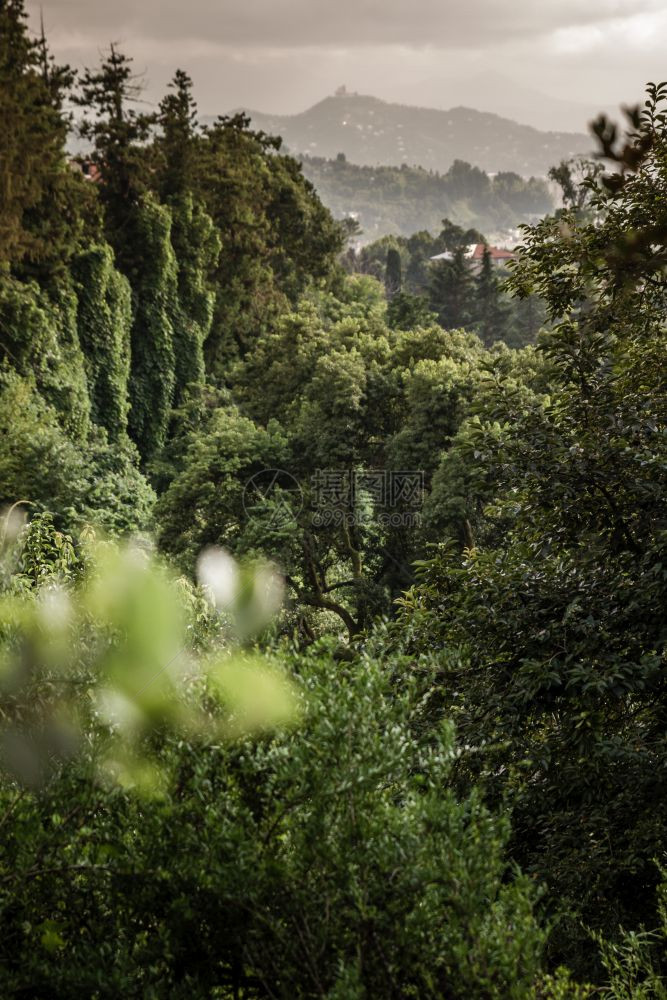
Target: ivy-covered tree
39 339
139 230
81 483
155 289
196 247
104 321
194 237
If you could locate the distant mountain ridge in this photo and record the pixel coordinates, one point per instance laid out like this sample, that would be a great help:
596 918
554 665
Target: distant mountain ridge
370 132
501 95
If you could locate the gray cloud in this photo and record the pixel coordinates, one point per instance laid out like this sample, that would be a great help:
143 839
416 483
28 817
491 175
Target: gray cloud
325 23
284 55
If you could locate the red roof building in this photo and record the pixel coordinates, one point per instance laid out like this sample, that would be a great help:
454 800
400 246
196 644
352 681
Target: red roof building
475 255
498 254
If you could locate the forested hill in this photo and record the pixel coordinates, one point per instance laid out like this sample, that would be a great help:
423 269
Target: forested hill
404 200
370 131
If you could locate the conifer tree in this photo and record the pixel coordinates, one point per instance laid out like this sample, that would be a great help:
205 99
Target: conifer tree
393 278
178 140
406 311
491 314
452 292
117 130
39 196
194 237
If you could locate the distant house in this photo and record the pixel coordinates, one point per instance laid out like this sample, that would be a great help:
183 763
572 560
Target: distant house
90 170
474 253
499 255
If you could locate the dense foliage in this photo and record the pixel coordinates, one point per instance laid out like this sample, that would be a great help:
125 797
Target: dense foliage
403 200
332 634
431 279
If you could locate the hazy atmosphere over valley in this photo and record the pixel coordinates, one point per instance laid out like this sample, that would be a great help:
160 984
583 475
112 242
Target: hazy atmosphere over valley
549 63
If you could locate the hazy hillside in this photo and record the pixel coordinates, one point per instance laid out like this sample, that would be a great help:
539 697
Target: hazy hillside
370 132
404 200
501 95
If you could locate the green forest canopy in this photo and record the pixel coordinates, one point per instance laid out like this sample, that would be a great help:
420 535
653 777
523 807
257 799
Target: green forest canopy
403 200
371 704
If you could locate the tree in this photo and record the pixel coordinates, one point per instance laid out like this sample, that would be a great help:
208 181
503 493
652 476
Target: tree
80 483
451 292
558 616
491 313
177 145
104 321
155 287
38 463
194 237
528 316
393 278
118 132
573 178
196 247
204 505
39 340
405 312
277 236
452 237
40 199
139 230
465 181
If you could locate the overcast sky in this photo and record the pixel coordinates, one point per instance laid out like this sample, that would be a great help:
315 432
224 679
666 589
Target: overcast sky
283 55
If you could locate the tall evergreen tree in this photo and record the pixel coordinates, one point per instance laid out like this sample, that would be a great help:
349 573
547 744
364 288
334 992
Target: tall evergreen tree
39 196
490 312
406 311
393 276
118 131
452 292
194 237
177 143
